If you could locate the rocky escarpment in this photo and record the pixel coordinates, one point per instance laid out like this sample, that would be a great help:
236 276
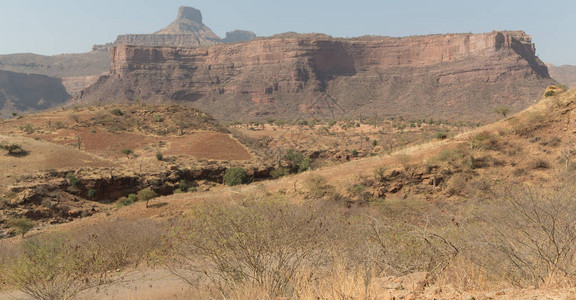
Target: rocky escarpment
23 92
460 76
77 71
188 30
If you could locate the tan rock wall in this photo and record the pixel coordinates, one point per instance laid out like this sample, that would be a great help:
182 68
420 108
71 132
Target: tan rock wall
449 76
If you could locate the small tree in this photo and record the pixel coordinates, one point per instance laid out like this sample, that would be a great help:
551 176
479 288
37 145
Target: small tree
159 156
235 176
11 148
296 161
146 194
127 152
21 225
502 110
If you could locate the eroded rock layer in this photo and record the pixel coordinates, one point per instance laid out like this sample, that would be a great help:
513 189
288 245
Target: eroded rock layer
460 76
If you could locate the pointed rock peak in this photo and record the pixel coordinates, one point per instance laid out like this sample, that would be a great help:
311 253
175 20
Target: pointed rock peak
189 13
189 21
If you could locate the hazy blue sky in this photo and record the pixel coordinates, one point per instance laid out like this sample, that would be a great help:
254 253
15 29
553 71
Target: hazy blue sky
69 26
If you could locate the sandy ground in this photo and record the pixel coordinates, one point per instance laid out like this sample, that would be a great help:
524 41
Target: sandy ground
42 156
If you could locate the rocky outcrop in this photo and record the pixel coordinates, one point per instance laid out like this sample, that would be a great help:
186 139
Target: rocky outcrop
239 36
23 92
187 30
460 76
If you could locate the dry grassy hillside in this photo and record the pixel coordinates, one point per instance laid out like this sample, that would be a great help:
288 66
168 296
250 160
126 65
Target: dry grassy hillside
72 161
485 214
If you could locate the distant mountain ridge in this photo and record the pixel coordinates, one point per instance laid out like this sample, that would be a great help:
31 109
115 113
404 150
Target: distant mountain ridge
565 74
63 65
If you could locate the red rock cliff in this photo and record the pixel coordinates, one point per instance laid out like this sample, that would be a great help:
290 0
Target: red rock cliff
462 76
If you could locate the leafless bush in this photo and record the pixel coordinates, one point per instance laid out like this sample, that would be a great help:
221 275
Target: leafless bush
538 163
456 185
259 242
123 243
54 267
403 248
8 254
530 236
318 186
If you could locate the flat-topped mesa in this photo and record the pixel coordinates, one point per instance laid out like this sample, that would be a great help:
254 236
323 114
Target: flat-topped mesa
190 13
186 31
239 36
460 76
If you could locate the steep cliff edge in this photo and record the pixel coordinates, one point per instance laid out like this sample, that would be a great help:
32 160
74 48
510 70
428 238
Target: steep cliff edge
24 92
460 76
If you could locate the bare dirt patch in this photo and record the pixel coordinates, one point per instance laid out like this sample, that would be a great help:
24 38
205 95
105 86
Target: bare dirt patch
42 156
202 145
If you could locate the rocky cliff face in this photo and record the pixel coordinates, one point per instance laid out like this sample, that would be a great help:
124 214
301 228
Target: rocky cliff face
461 76
77 71
187 30
23 92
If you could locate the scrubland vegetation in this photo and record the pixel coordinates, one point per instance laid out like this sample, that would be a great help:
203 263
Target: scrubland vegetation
272 246
487 210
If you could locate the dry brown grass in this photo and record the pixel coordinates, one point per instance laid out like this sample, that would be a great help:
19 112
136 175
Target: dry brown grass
471 242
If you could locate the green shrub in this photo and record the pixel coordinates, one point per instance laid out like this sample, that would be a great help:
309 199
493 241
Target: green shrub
11 148
133 197
117 112
127 152
355 153
159 156
235 176
91 193
158 118
549 93
146 194
72 180
277 173
502 110
183 186
123 201
296 161
27 128
440 135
